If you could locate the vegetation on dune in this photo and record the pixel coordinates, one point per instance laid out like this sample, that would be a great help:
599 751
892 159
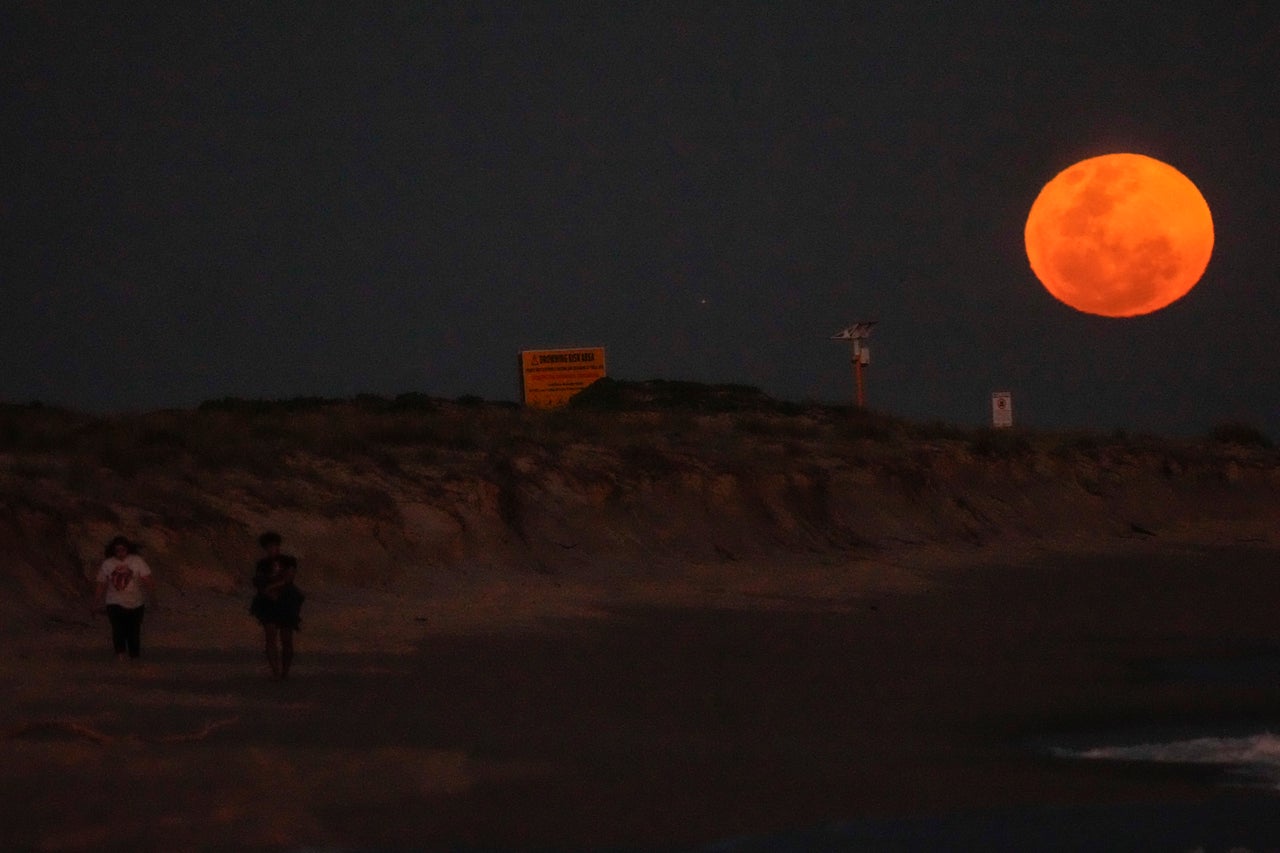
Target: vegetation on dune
1242 435
611 395
641 420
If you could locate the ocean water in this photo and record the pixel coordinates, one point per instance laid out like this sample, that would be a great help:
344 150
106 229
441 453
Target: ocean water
1231 824
1251 759
1240 812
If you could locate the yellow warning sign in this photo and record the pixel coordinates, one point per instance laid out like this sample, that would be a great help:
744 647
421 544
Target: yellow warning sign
549 377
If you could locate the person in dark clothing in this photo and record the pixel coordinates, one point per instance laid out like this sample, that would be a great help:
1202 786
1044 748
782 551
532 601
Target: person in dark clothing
277 604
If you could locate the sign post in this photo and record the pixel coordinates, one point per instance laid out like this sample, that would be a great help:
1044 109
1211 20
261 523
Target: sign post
857 335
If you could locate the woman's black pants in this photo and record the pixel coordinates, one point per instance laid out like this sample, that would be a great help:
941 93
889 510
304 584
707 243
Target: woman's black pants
126 628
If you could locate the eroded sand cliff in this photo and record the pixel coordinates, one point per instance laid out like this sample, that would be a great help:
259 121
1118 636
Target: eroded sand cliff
413 492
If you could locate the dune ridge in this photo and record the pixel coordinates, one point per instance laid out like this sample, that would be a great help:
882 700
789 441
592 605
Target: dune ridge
406 493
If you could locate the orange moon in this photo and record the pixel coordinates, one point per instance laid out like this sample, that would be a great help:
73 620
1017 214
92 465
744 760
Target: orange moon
1119 235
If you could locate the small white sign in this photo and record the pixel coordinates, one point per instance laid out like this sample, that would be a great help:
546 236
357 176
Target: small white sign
1002 409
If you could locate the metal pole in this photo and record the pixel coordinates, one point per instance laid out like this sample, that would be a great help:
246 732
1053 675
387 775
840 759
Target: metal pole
857 335
857 373
862 400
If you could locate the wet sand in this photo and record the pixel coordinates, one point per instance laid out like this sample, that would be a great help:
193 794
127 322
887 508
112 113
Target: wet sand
542 711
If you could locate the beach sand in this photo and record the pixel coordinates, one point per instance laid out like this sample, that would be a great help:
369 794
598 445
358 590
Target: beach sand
678 708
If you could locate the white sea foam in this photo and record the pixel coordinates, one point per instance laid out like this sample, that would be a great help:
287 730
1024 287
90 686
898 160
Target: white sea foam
1257 756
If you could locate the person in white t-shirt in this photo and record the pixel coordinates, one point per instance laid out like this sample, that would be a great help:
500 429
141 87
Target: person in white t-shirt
124 581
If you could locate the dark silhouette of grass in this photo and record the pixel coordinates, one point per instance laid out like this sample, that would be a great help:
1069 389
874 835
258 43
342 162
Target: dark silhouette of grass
1241 435
642 422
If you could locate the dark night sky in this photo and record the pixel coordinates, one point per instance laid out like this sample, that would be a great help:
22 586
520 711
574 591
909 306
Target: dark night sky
285 199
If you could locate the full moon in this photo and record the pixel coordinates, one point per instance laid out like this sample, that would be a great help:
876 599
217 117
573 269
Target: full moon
1119 235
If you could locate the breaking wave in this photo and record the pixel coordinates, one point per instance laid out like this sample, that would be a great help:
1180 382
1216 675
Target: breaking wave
1256 756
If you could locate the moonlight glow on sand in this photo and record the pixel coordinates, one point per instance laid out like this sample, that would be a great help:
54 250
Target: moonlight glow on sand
1119 235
